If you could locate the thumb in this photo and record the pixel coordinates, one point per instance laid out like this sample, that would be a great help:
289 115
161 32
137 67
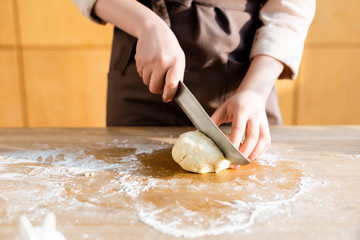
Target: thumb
218 116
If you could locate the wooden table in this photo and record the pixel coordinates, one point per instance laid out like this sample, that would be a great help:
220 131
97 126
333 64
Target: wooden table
121 183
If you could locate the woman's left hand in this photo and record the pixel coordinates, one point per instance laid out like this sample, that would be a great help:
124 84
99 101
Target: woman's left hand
246 110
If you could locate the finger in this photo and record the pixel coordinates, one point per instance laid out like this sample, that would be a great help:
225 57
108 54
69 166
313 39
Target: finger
146 76
261 146
251 138
263 143
157 81
234 166
238 130
173 75
139 67
220 115
139 70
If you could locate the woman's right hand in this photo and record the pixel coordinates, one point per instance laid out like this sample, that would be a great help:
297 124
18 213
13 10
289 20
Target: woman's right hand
160 61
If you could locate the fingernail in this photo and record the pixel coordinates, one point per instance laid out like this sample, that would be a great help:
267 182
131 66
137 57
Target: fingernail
234 166
165 97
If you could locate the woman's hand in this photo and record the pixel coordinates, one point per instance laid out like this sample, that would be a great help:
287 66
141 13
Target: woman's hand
246 111
160 61
246 108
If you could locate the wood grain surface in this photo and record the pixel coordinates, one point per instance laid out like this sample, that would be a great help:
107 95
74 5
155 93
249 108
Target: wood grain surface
10 103
121 183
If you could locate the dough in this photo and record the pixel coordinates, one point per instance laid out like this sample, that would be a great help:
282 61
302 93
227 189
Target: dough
89 174
195 152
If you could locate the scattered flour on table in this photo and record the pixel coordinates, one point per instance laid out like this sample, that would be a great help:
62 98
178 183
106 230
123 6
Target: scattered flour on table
241 217
347 156
267 159
49 174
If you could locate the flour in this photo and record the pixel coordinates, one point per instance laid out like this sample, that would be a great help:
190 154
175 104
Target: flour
253 177
348 156
55 181
179 228
267 159
77 163
242 216
133 186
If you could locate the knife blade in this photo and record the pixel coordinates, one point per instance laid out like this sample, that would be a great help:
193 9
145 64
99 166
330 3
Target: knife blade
201 120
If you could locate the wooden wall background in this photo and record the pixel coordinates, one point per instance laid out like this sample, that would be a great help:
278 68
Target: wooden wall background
53 65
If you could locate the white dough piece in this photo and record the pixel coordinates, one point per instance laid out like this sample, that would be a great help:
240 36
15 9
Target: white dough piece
89 174
46 232
195 152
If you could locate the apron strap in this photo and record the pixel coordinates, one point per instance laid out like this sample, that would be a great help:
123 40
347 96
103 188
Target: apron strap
159 7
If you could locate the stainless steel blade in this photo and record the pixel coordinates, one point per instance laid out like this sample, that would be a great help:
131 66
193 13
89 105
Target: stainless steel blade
201 120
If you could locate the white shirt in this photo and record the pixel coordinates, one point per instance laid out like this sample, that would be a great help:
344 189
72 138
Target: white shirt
282 36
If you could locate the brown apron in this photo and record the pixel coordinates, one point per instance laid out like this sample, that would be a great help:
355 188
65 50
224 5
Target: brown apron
216 37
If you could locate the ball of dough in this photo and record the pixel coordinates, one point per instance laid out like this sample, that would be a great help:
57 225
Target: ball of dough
195 152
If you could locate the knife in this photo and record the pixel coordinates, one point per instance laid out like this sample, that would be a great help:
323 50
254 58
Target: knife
201 120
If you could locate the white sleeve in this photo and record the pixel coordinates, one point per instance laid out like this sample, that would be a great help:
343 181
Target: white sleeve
86 7
282 36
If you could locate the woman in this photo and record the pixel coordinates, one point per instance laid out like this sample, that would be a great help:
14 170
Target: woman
229 53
